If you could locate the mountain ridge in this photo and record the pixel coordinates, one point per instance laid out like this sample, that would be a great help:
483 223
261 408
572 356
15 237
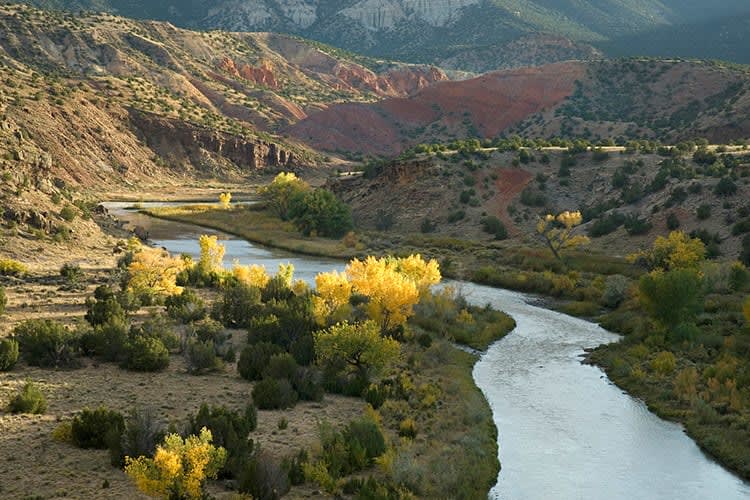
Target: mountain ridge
441 32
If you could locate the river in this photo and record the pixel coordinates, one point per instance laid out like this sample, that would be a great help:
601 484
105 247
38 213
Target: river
565 431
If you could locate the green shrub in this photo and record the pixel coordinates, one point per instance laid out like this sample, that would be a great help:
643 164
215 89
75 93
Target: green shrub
90 428
160 328
147 354
142 433
703 212
274 394
725 187
494 226
107 341
8 354
634 225
615 291
186 307
72 274
68 213
376 394
263 478
672 222
104 307
201 357
294 467
10 267
424 340
664 363
230 429
281 366
672 297
254 359
29 400
3 301
47 343
741 227
321 212
367 434
237 305
307 382
208 330
606 225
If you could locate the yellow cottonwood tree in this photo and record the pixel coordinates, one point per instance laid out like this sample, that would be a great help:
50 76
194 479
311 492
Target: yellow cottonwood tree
425 274
179 468
391 295
154 271
253 275
212 254
676 251
557 232
332 299
225 199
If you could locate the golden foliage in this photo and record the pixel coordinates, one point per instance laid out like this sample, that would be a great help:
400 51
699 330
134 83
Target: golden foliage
557 232
225 199
179 468
423 274
393 286
253 275
676 251
154 271
392 295
286 274
332 300
212 254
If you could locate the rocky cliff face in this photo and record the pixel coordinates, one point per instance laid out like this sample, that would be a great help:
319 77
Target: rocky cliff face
176 141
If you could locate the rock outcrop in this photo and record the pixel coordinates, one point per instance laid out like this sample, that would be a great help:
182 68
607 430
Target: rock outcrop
175 139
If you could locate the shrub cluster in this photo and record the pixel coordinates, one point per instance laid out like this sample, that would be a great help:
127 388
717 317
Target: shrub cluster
321 213
95 428
8 354
29 400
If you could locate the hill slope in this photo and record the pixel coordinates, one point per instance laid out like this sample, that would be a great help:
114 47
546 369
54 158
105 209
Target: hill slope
100 103
444 32
668 100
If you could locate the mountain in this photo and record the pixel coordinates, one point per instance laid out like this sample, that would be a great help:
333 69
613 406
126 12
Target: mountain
98 103
227 92
456 34
668 100
726 38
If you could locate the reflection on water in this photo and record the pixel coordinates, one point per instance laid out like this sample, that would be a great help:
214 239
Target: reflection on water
565 431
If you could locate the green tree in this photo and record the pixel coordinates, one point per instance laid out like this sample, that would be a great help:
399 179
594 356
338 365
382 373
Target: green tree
279 194
322 213
358 345
672 297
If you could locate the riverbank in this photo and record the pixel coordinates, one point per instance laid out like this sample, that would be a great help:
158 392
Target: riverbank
449 408
585 288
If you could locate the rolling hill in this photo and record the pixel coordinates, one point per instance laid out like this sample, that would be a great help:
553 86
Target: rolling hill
669 100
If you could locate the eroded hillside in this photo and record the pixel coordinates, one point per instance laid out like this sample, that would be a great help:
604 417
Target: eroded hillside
627 197
670 100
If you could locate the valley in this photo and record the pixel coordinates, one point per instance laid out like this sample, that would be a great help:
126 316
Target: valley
483 271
